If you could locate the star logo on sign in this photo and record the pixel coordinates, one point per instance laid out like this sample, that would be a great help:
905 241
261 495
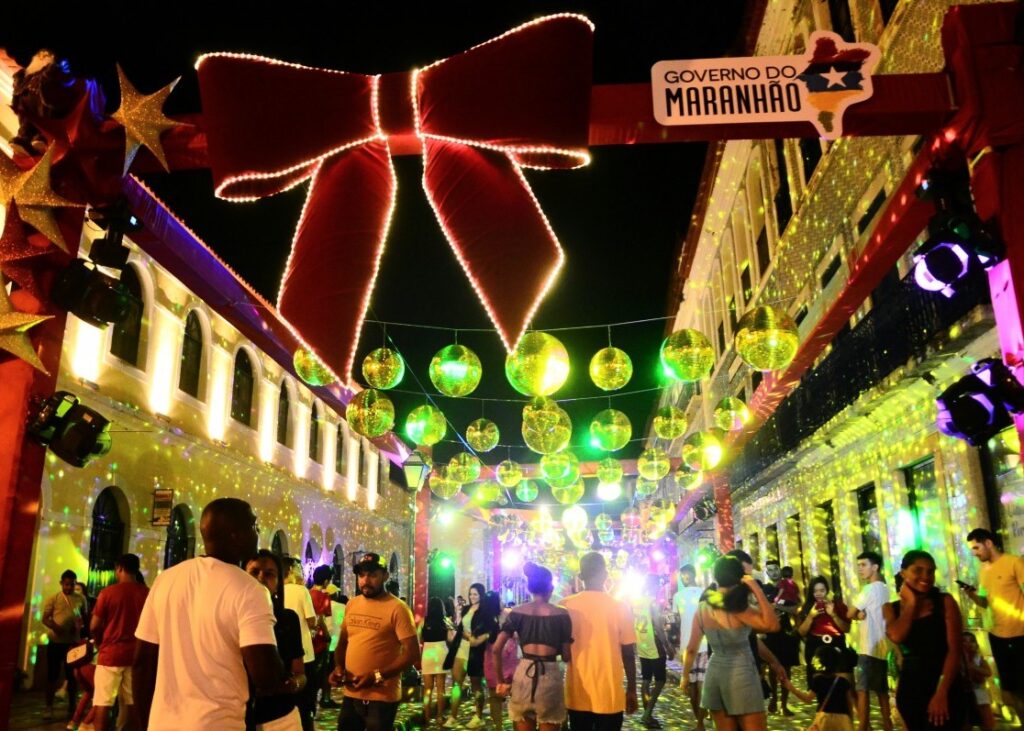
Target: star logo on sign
834 77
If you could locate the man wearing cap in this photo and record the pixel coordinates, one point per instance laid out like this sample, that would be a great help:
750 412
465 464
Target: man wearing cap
376 644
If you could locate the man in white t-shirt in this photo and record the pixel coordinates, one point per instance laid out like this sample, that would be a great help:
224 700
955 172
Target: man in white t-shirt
298 599
685 603
872 645
206 629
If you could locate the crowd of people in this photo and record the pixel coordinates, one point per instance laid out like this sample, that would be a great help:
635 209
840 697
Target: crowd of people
234 639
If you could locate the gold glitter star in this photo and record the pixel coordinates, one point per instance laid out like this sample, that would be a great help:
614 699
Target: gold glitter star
143 119
14 328
31 190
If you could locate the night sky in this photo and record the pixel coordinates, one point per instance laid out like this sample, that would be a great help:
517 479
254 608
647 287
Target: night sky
620 220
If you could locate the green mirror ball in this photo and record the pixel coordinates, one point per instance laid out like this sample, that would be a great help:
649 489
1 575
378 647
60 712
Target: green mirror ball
610 430
455 370
645 487
560 469
487 492
603 522
370 413
310 369
568 495
483 435
383 368
441 485
546 426
538 366
610 369
606 536
425 425
653 464
669 422
464 468
526 491
688 478
508 473
767 338
702 451
731 414
609 470
575 519
687 355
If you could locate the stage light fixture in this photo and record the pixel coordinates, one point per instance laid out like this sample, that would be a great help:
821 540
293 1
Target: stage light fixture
117 220
705 508
73 432
980 404
91 295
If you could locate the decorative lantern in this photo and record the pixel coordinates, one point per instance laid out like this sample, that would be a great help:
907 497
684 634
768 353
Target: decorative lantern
609 470
487 491
309 368
702 450
767 338
441 486
425 425
464 467
574 519
603 522
416 468
653 464
610 369
546 427
383 368
670 422
370 413
568 495
645 488
455 370
538 366
610 430
508 473
482 435
688 478
526 491
687 355
731 414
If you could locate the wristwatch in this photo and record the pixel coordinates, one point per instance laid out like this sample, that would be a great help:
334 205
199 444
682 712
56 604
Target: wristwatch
377 677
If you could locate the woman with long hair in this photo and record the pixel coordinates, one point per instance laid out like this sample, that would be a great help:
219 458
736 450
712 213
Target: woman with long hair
537 691
469 659
279 711
927 625
732 687
823 620
434 633
491 606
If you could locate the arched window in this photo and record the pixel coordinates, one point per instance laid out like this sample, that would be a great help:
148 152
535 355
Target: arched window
279 543
108 537
241 389
338 563
282 415
340 458
181 537
124 340
314 433
191 356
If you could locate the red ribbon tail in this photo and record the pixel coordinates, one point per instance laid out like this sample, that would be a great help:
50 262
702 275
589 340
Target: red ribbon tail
336 253
496 229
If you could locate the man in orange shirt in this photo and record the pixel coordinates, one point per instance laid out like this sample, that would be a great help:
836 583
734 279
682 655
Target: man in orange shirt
377 643
604 645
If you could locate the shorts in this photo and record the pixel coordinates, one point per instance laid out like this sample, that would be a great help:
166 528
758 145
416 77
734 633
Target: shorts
359 715
1008 653
872 674
433 657
109 680
537 693
700 666
653 668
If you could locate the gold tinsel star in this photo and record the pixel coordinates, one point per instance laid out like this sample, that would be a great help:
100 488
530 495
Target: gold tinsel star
143 119
14 328
31 190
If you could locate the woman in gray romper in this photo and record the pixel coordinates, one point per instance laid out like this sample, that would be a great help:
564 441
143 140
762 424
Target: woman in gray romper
732 687
537 693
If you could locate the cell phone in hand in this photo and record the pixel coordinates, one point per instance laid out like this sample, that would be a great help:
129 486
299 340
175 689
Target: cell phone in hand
964 585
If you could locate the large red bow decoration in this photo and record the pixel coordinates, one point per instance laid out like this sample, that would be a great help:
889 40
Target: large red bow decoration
519 100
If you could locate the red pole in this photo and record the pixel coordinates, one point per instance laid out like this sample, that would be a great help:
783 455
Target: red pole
421 547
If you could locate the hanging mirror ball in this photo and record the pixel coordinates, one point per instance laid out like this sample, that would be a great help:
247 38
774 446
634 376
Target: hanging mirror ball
606 536
767 338
575 519
464 467
441 486
669 422
546 426
383 368
557 465
610 369
486 492
610 430
310 369
370 413
645 488
538 366
603 522
509 473
653 464
630 518
609 470
526 491
425 425
455 370
702 450
687 355
482 435
731 414
568 495
608 491
688 478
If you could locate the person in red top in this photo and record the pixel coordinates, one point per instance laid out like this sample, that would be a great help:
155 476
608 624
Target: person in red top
113 624
321 597
823 621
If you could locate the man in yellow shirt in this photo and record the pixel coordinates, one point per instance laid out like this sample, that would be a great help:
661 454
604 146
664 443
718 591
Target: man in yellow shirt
1001 578
604 645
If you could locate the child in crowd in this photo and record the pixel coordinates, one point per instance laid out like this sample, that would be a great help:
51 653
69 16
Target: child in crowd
979 672
831 689
789 592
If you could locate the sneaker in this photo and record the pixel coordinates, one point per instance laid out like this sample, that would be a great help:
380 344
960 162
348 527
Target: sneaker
450 723
475 722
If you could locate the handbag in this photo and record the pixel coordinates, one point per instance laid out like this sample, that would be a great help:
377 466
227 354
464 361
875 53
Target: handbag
79 655
819 716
